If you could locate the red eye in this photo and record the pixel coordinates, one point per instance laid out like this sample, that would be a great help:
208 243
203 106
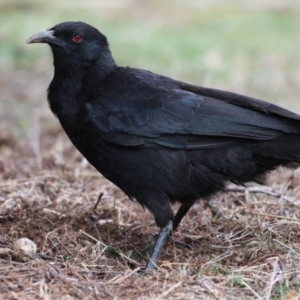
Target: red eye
77 38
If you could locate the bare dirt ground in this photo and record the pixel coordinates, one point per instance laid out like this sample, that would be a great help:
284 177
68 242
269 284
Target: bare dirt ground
249 250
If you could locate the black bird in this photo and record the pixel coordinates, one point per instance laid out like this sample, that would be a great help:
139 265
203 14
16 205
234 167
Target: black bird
158 139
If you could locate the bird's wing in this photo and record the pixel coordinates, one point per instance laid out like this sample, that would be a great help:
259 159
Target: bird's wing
183 118
240 100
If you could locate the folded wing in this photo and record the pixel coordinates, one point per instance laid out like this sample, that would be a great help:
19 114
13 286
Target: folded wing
186 117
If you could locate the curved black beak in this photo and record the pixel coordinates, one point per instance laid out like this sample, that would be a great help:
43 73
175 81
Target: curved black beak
43 37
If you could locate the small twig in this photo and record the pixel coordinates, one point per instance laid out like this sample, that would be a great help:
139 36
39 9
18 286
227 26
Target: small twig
286 246
18 276
47 210
212 289
250 289
101 243
168 291
218 258
35 139
45 256
81 173
260 189
272 280
98 201
5 251
120 279
264 257
283 189
273 216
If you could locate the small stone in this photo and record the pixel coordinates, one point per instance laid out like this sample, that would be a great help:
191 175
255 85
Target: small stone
24 249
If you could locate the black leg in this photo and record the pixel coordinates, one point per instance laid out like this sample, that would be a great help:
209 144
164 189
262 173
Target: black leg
161 239
184 208
163 212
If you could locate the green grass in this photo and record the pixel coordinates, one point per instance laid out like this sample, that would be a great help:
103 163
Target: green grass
228 46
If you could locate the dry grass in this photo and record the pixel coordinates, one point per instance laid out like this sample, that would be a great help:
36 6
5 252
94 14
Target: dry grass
246 245
249 250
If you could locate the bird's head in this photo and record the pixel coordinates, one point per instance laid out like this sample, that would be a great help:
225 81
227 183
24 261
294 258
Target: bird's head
74 43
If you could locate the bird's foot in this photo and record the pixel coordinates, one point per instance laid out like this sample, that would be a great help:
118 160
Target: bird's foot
178 244
148 267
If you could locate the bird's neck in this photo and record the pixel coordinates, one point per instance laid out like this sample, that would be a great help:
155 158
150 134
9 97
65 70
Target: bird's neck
98 70
63 89
100 65
71 81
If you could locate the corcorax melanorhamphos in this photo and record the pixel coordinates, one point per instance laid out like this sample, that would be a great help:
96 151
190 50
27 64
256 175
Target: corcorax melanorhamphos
158 139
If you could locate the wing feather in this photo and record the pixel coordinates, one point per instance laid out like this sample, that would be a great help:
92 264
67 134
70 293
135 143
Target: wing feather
184 116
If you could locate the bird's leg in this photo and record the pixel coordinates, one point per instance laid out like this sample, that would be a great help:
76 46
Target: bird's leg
184 208
165 233
161 239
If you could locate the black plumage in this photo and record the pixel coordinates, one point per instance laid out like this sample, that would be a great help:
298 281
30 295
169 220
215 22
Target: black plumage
158 139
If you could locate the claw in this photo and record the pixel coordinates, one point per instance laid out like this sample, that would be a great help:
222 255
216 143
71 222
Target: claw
178 244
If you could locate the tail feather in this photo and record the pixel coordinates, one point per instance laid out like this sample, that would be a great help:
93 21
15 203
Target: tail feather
251 161
285 148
